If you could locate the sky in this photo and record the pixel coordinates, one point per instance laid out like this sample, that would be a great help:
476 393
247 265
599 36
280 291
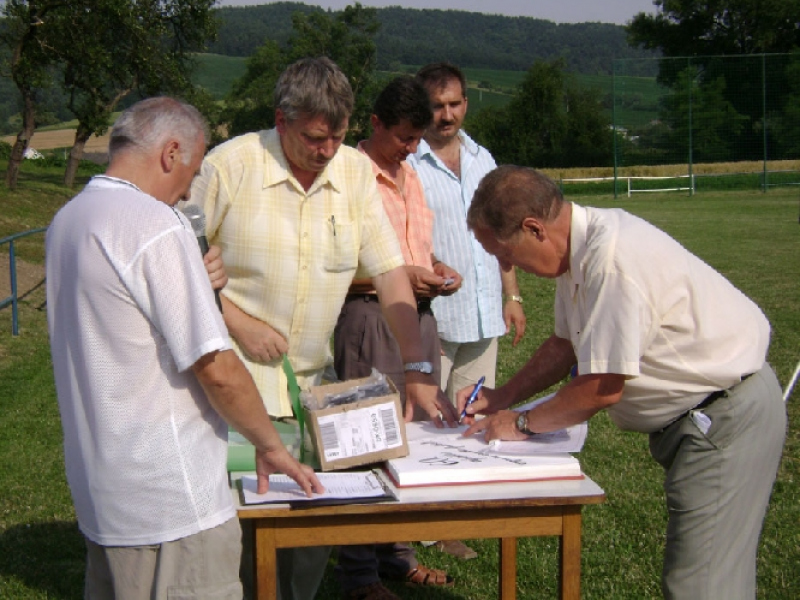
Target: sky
559 11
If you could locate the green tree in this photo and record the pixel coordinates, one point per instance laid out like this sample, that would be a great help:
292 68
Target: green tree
710 33
347 38
715 27
250 106
549 122
785 123
24 32
700 104
127 46
100 51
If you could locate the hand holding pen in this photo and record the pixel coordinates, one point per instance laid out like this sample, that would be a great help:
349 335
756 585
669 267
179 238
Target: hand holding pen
472 397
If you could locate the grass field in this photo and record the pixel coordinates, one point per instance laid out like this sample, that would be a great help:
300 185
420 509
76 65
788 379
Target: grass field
753 238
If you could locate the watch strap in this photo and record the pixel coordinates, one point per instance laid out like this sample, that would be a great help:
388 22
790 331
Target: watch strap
422 366
522 423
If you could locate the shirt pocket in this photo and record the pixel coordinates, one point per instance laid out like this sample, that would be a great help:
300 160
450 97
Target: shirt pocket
343 246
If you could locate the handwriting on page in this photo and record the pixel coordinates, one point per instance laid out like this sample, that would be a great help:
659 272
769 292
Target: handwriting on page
453 454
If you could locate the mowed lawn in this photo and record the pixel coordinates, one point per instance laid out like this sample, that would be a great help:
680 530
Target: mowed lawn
751 237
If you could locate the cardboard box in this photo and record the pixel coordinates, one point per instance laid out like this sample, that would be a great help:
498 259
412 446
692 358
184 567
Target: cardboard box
359 433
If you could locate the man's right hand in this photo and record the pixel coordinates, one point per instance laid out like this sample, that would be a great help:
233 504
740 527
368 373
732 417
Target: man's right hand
486 403
260 342
279 460
424 283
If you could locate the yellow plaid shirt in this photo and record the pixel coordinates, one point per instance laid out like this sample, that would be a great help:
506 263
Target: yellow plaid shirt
291 255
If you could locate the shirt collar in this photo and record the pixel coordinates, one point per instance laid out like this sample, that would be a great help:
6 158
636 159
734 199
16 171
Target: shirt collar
381 173
467 144
577 243
277 169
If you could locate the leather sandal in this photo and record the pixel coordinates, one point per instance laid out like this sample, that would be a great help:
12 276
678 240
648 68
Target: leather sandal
423 576
373 591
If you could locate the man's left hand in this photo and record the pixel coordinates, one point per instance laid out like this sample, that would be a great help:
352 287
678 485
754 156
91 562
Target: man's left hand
499 426
215 268
422 391
514 316
278 460
449 274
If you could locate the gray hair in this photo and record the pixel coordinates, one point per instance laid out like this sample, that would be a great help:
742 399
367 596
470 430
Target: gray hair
314 87
149 124
509 194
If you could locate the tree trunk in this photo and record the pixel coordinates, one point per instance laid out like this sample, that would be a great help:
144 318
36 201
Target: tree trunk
23 139
75 155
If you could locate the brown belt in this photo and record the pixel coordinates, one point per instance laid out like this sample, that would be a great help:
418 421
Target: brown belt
423 305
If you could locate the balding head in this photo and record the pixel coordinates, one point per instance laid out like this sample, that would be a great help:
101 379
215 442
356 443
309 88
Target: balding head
509 194
149 124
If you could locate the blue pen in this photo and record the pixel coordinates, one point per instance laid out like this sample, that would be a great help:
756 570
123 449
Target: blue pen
472 397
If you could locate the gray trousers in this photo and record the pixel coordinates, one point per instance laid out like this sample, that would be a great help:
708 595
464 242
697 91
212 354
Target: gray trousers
717 486
200 566
363 340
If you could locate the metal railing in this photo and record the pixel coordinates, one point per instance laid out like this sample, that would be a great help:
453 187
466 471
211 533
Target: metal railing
13 299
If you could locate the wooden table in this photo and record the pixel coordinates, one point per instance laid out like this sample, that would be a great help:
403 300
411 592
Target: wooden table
501 510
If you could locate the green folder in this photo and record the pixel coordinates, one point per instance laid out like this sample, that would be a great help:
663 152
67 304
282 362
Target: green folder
241 453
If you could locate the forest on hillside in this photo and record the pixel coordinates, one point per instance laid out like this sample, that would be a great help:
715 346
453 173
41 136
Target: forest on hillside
406 37
415 37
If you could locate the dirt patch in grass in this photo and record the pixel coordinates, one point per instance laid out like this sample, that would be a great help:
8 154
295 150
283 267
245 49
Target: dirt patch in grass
96 148
30 277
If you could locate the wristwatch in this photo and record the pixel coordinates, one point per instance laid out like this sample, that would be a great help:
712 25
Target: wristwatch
422 366
522 423
515 298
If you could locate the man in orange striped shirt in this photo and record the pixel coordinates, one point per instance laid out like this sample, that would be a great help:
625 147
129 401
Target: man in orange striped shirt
362 338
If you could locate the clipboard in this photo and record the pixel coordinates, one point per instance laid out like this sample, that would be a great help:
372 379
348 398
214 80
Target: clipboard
343 487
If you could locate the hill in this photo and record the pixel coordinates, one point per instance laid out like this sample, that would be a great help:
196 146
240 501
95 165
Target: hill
415 37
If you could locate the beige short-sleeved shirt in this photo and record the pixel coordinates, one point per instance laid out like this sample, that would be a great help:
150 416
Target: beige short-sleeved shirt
637 303
291 255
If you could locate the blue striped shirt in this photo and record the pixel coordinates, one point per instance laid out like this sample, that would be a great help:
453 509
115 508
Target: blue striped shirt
475 311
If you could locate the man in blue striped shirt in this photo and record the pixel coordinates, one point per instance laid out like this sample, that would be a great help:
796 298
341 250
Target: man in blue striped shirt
450 165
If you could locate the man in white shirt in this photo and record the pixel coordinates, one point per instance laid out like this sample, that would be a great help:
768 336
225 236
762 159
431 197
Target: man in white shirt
145 375
663 342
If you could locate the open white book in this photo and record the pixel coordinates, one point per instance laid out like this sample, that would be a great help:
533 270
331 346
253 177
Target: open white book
444 456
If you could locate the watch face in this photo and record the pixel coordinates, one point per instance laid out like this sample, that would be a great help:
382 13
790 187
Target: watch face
522 423
422 367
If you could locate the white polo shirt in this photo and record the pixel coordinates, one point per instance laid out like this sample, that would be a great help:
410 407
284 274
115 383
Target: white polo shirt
637 303
130 310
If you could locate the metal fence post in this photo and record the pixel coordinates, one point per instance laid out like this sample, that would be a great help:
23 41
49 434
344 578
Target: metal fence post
13 299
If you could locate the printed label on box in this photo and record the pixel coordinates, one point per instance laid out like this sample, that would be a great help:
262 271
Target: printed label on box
362 431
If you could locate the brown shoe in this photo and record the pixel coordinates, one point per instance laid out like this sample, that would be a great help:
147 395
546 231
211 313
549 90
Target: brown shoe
373 591
457 548
424 576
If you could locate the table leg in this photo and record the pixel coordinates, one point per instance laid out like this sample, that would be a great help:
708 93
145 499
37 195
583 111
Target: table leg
570 558
508 568
266 562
